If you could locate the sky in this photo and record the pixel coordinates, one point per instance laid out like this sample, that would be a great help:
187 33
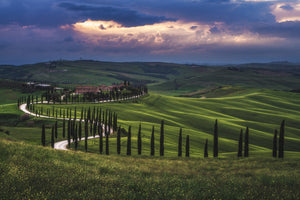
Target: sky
178 31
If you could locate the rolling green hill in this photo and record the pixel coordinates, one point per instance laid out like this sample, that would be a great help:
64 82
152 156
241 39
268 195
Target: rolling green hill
260 109
164 78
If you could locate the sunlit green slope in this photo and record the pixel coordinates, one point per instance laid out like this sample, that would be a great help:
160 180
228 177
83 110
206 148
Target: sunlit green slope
261 110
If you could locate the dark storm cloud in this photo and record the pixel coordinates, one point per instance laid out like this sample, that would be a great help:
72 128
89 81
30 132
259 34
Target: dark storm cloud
124 16
32 12
57 13
212 11
290 29
287 7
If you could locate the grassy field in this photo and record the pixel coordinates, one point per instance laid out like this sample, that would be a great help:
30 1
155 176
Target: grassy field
31 172
259 109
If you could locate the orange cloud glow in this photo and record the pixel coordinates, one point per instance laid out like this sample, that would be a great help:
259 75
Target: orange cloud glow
163 37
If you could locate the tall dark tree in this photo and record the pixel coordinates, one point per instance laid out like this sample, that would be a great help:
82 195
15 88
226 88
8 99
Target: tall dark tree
187 146
281 140
52 137
180 143
55 129
216 142
86 133
95 128
152 142
69 133
275 144
240 149
206 149
107 144
129 141
119 141
101 140
246 147
76 140
139 140
79 131
162 138
64 128
43 135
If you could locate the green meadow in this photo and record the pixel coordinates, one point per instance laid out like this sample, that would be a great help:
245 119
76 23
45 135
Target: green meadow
260 109
33 172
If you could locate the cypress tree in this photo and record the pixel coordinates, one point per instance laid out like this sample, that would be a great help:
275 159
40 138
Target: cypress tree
152 142
76 140
129 141
139 140
187 146
216 148
180 143
275 144
240 150
101 140
109 122
86 130
43 135
119 141
246 147
162 138
69 133
206 149
79 130
89 114
52 137
55 129
93 115
95 129
107 144
281 140
64 128
106 124
91 128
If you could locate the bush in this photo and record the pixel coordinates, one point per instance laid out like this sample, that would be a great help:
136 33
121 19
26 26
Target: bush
24 117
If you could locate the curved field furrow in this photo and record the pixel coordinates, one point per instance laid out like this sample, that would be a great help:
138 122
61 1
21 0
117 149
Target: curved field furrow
256 110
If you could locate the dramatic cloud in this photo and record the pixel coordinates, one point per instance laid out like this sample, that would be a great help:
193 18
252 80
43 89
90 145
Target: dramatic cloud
129 30
124 16
286 12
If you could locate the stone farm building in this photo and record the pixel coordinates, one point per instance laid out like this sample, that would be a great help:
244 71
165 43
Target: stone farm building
96 89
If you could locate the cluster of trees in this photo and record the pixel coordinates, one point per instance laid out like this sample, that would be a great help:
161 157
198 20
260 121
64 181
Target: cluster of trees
68 97
278 149
92 121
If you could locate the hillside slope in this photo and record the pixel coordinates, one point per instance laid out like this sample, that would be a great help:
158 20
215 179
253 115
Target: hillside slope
259 109
165 78
31 172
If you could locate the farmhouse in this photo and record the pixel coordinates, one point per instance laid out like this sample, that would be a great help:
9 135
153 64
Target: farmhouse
86 89
96 89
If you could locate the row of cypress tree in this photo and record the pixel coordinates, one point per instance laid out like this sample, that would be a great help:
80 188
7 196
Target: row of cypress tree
104 130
